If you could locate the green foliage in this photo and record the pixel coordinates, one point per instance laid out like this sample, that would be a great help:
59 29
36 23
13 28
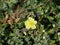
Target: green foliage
12 27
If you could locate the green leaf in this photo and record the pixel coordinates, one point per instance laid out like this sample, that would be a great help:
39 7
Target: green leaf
32 2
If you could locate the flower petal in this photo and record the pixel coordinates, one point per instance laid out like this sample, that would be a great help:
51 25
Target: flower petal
33 27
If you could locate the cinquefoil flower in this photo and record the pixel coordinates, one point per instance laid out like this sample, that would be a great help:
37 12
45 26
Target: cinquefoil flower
30 23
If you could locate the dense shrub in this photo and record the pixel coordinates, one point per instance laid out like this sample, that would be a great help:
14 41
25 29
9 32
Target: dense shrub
42 28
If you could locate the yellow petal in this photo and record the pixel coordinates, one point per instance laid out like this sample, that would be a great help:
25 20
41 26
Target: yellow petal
27 24
33 27
35 22
27 27
31 19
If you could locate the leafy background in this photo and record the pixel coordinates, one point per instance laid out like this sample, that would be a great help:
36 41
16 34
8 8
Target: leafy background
13 13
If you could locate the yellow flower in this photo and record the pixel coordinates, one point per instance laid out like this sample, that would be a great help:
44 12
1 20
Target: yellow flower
30 23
